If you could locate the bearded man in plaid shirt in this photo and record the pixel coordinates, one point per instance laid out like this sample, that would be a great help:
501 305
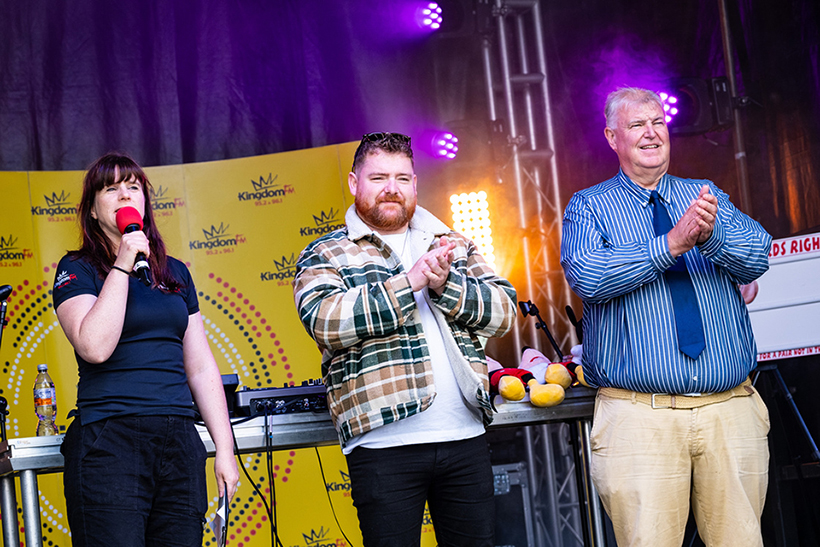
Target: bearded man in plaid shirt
396 301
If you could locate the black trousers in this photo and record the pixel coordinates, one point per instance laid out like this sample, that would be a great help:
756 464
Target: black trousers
390 486
135 481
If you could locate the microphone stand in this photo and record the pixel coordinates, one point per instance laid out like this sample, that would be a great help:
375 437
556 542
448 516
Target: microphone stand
528 308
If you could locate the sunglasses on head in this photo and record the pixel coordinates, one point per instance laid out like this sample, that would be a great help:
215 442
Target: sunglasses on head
380 136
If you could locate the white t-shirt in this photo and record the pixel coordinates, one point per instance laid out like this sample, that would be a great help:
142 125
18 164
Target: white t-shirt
450 417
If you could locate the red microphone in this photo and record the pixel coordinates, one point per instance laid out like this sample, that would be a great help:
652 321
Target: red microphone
129 220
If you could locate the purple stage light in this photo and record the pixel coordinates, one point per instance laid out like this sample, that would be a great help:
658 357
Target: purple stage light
429 16
668 105
445 145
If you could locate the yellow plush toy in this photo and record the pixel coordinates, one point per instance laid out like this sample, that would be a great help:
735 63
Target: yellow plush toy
514 384
554 377
543 381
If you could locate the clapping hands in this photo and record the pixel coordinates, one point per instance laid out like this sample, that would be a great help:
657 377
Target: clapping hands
432 269
696 224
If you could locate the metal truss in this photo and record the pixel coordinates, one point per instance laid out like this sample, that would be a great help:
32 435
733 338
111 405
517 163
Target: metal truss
554 486
515 70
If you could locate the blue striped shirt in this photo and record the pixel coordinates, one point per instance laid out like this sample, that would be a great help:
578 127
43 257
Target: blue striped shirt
615 263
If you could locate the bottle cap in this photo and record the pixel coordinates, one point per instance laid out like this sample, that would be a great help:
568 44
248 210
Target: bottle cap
42 367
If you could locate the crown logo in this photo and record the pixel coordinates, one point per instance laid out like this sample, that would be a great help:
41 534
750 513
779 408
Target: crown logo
315 537
265 182
7 243
326 218
159 193
286 263
55 199
214 232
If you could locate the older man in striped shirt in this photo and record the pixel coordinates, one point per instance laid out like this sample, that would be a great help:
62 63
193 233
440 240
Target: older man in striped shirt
657 261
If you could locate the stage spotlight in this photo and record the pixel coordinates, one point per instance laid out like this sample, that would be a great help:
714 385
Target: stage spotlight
669 106
429 16
445 145
471 217
694 106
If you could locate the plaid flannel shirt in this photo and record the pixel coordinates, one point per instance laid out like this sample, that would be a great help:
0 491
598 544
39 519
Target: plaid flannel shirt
354 298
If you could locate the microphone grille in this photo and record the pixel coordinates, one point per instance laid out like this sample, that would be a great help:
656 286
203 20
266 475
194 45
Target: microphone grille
127 216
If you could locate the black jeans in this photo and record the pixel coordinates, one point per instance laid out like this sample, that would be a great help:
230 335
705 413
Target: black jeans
135 481
390 486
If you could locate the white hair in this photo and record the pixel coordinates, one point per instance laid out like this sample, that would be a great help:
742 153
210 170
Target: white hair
623 96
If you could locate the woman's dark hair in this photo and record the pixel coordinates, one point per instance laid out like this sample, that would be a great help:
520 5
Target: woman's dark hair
111 169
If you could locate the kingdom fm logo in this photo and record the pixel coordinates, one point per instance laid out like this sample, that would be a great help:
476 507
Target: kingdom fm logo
62 199
7 244
324 223
55 205
266 188
326 218
344 485
217 237
215 233
319 539
160 200
265 183
285 269
286 263
8 249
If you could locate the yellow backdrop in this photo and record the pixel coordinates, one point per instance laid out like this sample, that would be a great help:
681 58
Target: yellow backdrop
239 225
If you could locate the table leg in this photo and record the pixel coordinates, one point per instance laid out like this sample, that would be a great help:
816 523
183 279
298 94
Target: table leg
31 508
8 502
596 516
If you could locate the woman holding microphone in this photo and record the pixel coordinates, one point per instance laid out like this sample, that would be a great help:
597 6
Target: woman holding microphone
134 462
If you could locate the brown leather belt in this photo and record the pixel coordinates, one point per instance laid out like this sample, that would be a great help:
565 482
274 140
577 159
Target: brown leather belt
665 400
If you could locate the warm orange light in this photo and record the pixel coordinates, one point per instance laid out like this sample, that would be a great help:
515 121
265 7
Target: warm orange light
471 217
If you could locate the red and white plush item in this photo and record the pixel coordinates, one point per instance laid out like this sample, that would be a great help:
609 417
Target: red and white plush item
514 384
544 370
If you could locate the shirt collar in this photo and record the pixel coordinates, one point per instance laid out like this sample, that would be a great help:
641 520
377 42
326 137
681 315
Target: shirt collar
641 194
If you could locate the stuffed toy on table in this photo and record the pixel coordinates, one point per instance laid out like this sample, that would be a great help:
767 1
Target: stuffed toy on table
545 382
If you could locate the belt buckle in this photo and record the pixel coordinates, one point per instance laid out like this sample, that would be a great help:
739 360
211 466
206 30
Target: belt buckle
655 406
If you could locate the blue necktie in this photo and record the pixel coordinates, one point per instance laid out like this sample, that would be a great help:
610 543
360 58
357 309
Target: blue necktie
688 323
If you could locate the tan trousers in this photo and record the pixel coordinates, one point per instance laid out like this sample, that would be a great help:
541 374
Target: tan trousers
646 462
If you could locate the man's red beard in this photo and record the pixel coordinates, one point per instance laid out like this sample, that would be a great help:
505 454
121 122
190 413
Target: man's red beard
387 220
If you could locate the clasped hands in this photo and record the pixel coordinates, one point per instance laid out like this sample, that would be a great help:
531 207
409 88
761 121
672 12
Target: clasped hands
696 224
432 269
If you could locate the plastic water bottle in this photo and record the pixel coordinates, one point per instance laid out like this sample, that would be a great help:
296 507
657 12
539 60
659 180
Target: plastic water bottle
45 402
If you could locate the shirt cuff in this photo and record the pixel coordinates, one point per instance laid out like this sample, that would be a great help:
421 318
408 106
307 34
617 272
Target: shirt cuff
659 255
400 285
712 246
451 295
